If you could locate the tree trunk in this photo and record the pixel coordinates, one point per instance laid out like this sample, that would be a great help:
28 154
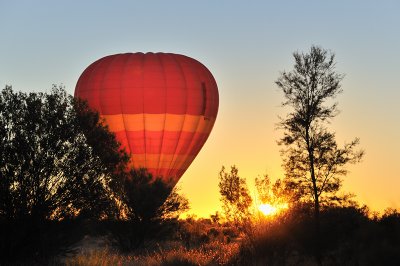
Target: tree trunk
316 200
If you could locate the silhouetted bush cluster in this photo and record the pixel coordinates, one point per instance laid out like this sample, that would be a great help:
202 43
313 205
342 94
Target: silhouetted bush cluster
349 236
63 175
151 209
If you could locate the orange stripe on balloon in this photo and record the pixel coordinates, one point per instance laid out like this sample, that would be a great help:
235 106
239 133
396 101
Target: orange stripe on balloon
168 142
159 160
157 122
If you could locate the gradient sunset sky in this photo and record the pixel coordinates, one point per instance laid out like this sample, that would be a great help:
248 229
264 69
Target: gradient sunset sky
245 44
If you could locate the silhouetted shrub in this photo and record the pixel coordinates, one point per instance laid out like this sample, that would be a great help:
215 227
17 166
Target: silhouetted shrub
58 161
349 237
151 207
379 242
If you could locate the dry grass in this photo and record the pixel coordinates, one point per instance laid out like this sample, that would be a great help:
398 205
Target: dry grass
214 253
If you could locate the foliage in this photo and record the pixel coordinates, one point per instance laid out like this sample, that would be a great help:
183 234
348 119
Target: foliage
149 198
197 242
196 232
151 209
271 241
174 206
144 195
272 193
313 161
350 237
235 196
57 160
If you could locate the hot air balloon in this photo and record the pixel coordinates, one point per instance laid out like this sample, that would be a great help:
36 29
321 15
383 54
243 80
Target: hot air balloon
161 107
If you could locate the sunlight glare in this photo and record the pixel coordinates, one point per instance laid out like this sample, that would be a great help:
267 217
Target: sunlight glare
269 210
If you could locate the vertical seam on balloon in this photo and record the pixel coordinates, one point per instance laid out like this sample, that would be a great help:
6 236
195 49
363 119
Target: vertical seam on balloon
144 115
196 73
100 62
209 77
165 111
102 80
211 80
120 101
91 70
210 124
204 90
214 100
179 66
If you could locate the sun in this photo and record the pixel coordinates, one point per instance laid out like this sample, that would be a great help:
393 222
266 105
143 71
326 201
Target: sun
267 209
270 210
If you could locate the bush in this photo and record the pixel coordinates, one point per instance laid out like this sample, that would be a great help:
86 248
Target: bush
57 162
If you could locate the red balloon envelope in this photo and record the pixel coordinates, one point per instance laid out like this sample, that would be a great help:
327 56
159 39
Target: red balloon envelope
161 106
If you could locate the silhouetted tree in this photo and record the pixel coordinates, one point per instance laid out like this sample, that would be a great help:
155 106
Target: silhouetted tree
175 205
144 195
235 196
313 162
148 198
57 162
57 159
151 198
151 207
274 193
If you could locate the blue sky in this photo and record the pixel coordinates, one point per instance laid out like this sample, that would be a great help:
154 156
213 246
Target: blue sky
245 45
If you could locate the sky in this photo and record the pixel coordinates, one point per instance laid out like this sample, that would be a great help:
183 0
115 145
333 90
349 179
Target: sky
246 45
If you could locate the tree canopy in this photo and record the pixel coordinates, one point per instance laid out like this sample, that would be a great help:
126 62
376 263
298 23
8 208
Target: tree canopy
148 198
235 196
314 163
57 158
